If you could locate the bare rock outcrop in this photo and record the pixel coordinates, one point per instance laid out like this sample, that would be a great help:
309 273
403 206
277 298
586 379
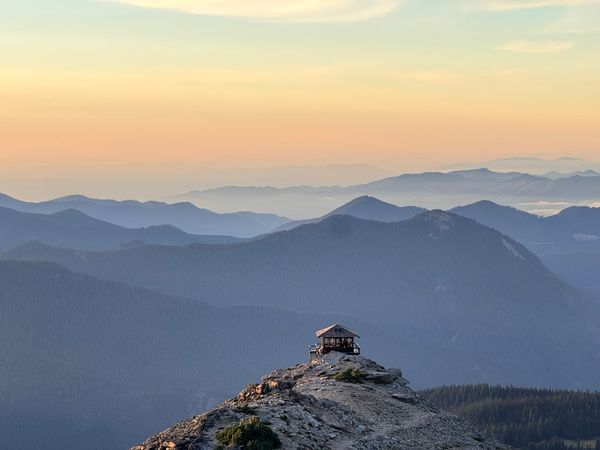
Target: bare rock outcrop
339 402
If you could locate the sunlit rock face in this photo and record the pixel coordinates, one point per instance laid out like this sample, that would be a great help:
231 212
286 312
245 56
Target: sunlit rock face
336 402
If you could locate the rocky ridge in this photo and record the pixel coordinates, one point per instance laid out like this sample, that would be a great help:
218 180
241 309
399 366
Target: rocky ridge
310 407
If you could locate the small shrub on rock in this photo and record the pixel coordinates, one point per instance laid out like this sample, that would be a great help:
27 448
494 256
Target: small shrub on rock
350 376
248 434
245 409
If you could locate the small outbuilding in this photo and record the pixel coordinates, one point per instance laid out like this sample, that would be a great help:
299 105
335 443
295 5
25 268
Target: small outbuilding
335 338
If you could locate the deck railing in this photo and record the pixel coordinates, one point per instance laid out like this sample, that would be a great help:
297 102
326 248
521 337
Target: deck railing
315 349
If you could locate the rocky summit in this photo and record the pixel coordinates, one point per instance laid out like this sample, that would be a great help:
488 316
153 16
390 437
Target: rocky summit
336 402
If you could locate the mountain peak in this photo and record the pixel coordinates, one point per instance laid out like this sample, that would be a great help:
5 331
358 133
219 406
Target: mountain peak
574 209
367 207
367 202
486 204
336 402
72 198
6 197
364 199
438 216
484 209
476 171
364 207
73 214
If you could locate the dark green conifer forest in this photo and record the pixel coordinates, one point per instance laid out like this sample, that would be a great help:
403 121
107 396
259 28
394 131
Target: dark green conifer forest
526 418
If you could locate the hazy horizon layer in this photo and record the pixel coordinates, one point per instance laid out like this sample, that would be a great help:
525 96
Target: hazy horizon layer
122 182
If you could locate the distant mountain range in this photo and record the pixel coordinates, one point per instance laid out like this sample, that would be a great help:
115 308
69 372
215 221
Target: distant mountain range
584 173
430 190
484 307
114 324
368 208
134 214
568 242
73 229
574 229
531 164
147 334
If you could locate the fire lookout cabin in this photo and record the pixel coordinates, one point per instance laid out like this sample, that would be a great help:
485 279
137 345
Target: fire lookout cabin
335 338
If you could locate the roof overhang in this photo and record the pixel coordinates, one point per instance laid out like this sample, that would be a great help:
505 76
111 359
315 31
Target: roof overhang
336 330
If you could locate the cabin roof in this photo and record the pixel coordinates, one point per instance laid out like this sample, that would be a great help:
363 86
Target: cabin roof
336 330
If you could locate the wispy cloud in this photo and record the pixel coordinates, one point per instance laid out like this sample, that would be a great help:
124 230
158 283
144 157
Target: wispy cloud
585 19
283 10
570 16
536 47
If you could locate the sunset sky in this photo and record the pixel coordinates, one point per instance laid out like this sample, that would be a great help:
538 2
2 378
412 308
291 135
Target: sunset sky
150 97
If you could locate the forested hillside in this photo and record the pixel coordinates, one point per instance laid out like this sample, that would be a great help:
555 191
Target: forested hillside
89 360
528 419
453 292
579 269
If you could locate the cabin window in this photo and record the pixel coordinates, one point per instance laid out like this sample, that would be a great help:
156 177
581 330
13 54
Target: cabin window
338 342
